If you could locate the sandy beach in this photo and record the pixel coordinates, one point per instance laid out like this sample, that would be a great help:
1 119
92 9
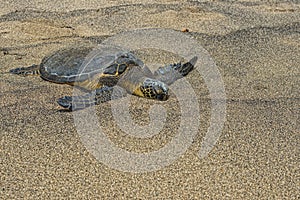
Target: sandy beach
255 46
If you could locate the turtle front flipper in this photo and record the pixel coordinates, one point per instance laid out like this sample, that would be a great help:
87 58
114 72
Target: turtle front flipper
96 97
26 71
170 73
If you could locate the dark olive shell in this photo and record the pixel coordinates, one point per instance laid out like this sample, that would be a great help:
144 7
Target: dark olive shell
82 63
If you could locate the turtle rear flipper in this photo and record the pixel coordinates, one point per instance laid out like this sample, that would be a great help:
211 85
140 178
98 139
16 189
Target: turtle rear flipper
170 73
26 71
96 97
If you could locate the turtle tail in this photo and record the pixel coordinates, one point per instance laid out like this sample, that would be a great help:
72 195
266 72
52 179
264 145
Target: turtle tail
99 96
26 71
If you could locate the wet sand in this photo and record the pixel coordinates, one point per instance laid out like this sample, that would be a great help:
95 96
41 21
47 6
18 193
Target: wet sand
255 46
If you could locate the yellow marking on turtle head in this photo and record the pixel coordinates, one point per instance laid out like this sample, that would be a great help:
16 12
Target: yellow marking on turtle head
138 92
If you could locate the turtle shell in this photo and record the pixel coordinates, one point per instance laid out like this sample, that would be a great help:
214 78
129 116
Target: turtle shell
88 67
64 64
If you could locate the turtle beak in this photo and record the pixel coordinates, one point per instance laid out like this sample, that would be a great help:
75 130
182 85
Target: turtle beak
161 91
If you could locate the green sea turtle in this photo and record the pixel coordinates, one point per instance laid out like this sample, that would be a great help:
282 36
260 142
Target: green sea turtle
98 73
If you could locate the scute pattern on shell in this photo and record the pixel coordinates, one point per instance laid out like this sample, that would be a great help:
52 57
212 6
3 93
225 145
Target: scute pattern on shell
79 64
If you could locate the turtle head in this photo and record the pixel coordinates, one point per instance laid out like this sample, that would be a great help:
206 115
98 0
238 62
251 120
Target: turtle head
154 89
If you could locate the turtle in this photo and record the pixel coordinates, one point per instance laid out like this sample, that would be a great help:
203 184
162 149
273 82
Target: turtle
102 72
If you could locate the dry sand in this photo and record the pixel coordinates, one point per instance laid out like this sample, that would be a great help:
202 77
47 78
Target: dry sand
255 45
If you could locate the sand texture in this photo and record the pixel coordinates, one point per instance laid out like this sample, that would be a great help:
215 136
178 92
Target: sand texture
256 47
